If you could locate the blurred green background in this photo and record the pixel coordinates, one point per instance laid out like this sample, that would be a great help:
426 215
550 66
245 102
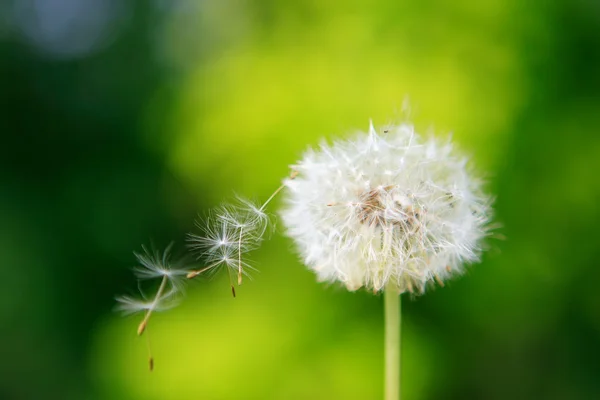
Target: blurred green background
121 120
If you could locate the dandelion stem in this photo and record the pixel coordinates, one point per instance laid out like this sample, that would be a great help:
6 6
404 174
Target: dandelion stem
159 292
392 341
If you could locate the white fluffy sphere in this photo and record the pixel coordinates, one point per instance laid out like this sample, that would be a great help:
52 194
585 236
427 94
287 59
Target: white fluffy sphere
385 210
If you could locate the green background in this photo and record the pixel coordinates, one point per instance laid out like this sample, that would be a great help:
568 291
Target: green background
178 105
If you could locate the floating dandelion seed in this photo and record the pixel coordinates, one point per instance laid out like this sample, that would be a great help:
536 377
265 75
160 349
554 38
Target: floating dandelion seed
155 265
392 209
231 231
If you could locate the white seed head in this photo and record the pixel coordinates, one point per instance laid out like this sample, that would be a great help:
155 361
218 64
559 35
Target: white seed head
386 209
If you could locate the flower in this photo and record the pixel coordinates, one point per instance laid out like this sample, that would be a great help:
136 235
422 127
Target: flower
386 210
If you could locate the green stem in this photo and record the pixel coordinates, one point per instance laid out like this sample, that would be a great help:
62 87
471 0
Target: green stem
392 342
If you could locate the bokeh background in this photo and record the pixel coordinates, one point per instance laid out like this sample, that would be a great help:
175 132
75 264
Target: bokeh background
120 121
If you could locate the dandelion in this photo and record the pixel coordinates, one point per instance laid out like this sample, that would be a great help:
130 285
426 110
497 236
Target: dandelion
391 212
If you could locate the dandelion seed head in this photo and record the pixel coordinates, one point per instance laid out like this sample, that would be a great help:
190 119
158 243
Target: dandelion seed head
390 208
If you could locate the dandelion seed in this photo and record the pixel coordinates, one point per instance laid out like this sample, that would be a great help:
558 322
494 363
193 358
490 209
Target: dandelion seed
224 243
154 265
231 231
